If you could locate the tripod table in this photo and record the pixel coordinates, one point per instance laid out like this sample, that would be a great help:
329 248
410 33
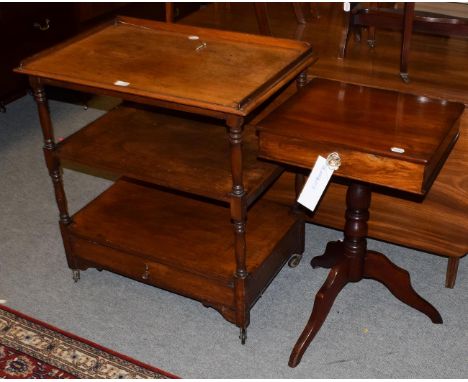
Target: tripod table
383 138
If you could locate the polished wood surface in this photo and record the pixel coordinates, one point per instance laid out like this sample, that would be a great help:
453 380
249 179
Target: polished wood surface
175 63
351 261
159 147
437 63
342 122
405 20
437 71
29 28
219 157
149 234
363 125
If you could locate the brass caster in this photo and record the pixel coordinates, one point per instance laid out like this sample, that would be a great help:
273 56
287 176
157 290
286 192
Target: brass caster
371 43
405 77
76 275
243 335
295 260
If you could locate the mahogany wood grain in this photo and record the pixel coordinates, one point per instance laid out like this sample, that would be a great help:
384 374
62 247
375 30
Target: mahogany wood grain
406 222
197 71
437 63
350 261
158 147
363 125
352 120
186 244
397 280
437 70
53 164
323 302
408 19
160 61
452 269
169 7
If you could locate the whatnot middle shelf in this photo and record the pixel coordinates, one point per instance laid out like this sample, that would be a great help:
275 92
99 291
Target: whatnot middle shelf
167 149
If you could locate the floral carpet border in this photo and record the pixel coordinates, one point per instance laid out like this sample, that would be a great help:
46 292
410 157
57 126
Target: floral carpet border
68 352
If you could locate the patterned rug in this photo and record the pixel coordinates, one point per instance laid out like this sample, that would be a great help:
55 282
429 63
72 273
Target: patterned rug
33 349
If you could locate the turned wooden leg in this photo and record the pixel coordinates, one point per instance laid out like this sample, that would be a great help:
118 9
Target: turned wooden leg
169 12
371 37
336 280
452 269
406 40
348 268
345 35
299 13
397 280
333 253
350 261
239 219
263 22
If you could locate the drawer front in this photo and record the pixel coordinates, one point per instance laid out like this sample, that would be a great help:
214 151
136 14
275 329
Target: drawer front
138 268
27 29
33 27
375 169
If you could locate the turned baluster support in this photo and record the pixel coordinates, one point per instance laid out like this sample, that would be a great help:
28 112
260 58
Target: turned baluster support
350 261
238 218
299 182
52 162
358 199
53 166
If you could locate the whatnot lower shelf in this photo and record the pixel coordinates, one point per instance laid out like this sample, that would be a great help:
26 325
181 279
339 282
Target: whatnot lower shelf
181 244
190 155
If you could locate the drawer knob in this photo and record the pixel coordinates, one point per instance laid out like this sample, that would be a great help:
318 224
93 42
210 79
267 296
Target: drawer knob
41 27
145 274
334 161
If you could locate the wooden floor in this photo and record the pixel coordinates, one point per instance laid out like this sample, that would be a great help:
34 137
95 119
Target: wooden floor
437 68
437 64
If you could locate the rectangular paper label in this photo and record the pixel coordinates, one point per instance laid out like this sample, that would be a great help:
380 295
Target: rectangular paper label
316 184
121 83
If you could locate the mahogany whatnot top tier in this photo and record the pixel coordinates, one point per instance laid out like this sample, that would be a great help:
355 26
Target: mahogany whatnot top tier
204 68
383 137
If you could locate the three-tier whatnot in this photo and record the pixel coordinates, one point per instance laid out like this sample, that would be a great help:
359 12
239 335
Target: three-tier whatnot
188 176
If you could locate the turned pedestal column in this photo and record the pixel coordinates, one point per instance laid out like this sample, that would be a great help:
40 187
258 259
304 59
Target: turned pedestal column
351 261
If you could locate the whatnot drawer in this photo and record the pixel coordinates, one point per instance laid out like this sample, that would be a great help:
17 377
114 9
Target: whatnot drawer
90 254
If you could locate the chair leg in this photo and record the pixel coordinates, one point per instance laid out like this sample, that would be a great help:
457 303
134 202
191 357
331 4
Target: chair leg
169 12
262 18
299 13
346 35
371 37
406 40
452 269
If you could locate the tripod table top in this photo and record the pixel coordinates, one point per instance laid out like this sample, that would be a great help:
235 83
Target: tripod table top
383 137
